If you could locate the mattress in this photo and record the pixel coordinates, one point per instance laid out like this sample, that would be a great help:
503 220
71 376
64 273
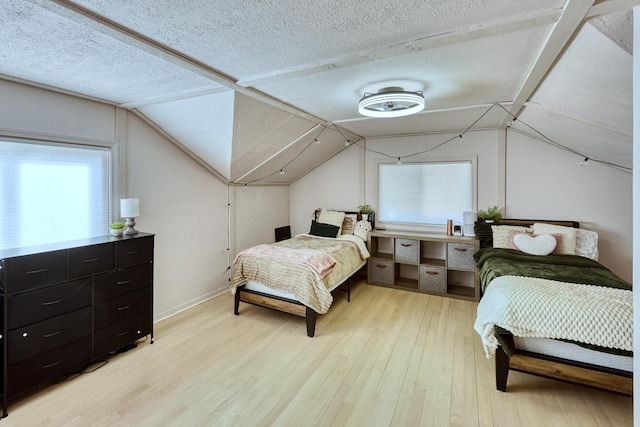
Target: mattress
570 351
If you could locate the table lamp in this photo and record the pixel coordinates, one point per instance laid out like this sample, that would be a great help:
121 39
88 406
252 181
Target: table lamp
130 209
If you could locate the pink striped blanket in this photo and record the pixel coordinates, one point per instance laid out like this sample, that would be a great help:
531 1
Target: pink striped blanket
319 262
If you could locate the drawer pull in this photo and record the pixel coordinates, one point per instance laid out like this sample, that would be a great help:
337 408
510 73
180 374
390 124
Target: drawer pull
53 334
433 273
461 249
406 245
126 307
124 282
121 334
133 252
381 266
51 365
52 302
91 260
42 270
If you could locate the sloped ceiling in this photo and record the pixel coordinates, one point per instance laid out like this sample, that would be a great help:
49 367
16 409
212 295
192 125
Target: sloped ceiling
248 87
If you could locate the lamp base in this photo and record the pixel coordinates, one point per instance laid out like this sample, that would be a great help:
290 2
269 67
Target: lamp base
130 223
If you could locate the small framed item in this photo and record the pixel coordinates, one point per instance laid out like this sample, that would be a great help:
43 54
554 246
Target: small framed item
457 229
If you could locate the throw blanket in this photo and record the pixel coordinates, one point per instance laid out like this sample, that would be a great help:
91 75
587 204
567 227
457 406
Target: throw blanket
319 262
530 307
298 279
496 262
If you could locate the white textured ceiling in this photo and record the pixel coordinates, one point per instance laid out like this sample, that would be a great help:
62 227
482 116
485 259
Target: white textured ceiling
561 66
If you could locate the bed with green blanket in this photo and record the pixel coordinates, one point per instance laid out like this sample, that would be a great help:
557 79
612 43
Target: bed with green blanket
568 284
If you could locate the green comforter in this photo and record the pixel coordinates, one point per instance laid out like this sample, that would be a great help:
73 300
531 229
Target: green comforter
496 262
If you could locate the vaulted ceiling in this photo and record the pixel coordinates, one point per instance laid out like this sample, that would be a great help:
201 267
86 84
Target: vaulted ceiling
248 87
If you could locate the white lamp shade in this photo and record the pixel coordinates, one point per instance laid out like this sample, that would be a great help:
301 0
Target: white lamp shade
129 208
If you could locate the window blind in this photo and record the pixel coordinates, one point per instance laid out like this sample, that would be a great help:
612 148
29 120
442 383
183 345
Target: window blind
424 193
52 193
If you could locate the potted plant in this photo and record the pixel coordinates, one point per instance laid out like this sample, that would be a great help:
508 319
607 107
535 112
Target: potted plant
365 211
116 228
490 215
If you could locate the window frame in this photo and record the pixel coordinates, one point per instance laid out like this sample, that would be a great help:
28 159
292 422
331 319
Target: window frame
419 227
116 173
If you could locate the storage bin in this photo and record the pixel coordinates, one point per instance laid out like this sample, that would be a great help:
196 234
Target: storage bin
433 279
407 251
460 256
382 272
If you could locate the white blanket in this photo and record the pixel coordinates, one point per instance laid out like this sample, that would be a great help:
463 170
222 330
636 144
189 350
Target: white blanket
529 307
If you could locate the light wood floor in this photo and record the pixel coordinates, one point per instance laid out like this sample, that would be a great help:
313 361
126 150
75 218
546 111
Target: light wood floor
387 358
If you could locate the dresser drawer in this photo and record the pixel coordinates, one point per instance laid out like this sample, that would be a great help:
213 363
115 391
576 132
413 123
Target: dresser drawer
88 260
407 251
34 306
40 337
123 281
35 271
116 309
122 333
460 256
134 251
433 279
48 366
382 271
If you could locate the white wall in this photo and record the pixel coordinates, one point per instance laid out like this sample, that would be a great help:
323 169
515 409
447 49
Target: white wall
28 111
542 182
546 182
186 207
335 184
258 211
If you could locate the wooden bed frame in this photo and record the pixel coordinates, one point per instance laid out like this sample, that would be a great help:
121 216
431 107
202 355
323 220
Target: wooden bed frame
600 377
284 304
287 305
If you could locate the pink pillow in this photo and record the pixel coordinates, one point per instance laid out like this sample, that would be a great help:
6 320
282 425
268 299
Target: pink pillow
558 237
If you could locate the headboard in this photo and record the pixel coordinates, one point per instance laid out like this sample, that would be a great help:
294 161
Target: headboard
484 233
316 214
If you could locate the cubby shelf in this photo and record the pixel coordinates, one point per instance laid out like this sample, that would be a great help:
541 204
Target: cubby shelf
430 263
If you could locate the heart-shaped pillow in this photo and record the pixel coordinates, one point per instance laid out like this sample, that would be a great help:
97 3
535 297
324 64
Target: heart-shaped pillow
543 244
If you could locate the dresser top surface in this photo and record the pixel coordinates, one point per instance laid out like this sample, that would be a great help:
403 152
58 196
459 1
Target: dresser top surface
30 250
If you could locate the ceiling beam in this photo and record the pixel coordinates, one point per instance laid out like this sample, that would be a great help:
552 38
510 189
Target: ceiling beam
175 96
72 11
611 6
572 17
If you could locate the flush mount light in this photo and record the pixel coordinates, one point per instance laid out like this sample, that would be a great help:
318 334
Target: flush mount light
391 102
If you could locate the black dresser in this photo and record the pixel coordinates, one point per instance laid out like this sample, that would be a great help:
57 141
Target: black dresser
68 304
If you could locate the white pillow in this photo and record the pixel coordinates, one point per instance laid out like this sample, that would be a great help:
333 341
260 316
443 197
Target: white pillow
362 229
569 235
542 244
331 217
501 234
587 244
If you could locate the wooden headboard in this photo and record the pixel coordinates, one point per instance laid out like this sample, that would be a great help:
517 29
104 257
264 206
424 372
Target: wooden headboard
484 233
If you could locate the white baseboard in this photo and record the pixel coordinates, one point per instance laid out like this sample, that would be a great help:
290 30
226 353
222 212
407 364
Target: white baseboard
187 305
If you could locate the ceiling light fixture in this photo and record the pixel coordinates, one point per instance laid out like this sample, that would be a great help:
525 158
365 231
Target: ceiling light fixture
391 102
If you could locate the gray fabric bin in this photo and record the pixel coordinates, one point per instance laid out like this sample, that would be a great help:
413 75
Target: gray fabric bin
460 256
382 271
433 279
407 251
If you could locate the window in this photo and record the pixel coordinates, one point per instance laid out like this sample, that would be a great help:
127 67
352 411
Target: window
52 193
425 193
